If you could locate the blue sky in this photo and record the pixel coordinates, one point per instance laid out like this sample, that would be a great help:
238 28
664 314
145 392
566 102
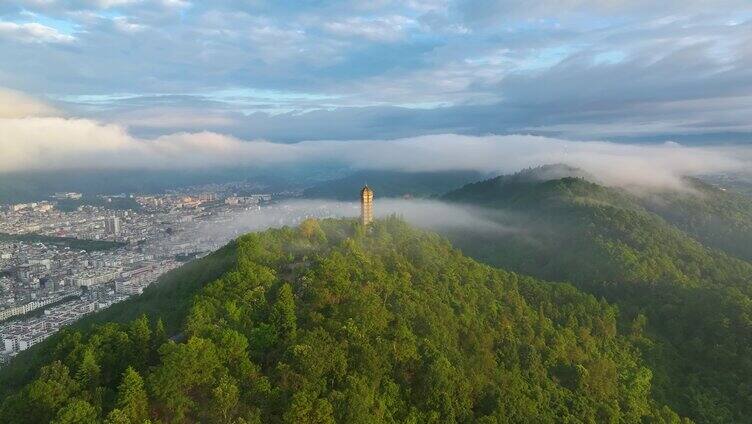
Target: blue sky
290 71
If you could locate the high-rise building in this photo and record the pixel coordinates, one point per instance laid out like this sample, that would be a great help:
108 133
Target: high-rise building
112 226
366 205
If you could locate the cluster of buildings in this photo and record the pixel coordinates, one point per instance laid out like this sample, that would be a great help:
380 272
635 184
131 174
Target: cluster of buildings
17 336
50 283
252 200
44 206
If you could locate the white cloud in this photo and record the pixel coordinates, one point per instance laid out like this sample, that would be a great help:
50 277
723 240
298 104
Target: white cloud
174 4
107 4
126 25
32 139
385 28
33 33
30 144
14 104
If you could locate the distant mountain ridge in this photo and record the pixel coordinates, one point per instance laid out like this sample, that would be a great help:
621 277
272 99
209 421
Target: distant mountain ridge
392 184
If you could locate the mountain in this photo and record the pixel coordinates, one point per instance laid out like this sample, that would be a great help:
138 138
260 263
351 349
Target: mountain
718 218
392 184
692 301
329 323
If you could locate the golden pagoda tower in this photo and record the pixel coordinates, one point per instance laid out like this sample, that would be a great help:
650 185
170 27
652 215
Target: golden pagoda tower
366 206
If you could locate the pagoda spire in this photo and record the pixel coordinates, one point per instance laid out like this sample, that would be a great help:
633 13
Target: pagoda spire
366 205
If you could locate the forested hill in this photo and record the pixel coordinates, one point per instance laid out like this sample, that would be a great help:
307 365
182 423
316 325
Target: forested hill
392 184
719 218
646 255
326 323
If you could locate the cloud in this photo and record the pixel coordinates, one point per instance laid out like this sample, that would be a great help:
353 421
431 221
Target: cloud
490 11
14 104
106 4
33 33
37 143
125 25
685 79
192 119
578 69
387 29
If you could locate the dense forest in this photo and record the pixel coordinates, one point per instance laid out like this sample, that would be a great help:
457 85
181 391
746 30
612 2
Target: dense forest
672 262
331 323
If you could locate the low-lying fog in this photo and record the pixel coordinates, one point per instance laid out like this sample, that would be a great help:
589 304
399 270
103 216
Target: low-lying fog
428 214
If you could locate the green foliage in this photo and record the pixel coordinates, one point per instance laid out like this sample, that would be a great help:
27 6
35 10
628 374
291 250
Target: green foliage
686 306
283 313
76 412
131 400
45 396
390 326
716 217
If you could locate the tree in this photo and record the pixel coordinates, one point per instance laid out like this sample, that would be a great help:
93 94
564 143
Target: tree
131 397
224 399
139 332
160 334
283 313
158 339
50 392
117 416
89 372
188 370
76 412
307 409
311 229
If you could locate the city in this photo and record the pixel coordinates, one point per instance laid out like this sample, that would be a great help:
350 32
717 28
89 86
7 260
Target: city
59 263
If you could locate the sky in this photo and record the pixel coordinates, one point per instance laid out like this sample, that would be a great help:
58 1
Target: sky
286 72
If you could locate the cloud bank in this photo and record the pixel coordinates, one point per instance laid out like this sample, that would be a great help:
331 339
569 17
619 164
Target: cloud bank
30 140
14 104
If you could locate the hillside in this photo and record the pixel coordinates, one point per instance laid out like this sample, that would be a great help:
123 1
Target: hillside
718 218
169 301
392 184
694 302
325 323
